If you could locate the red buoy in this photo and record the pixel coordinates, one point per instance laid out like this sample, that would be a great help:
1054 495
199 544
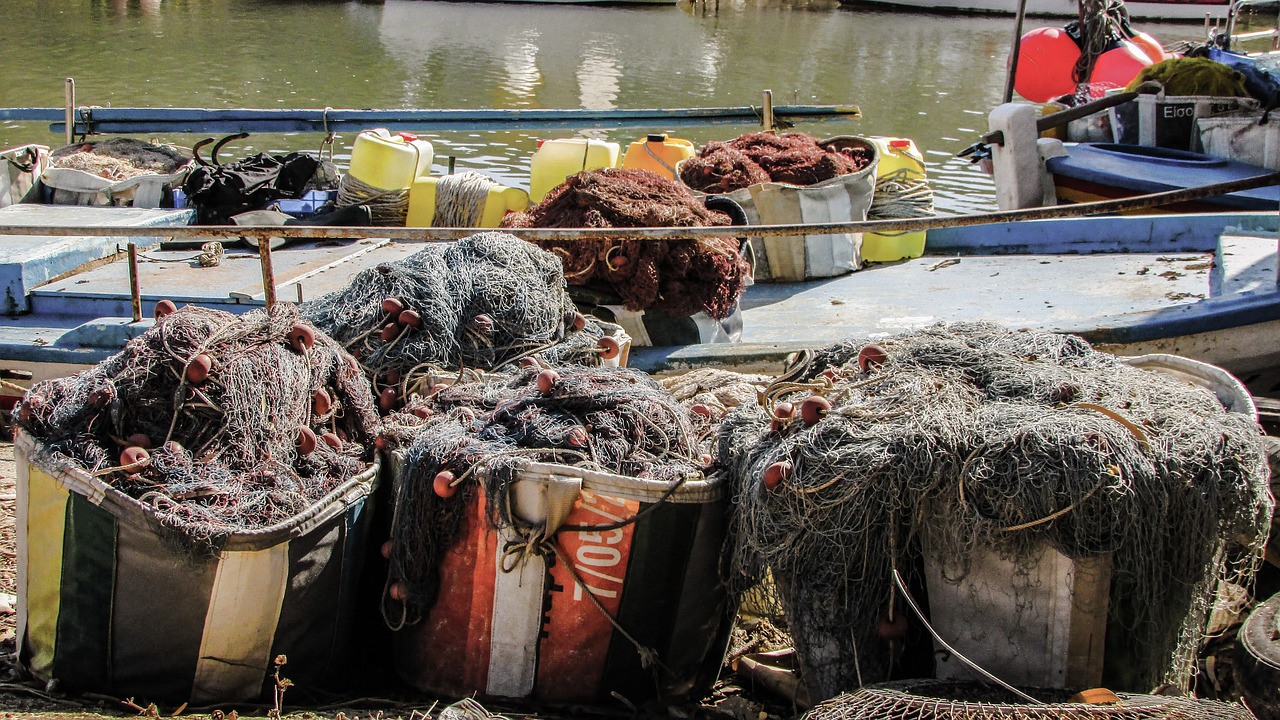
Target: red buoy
814 408
320 402
387 548
390 331
393 307
140 439
164 308
443 484
306 440
388 399
776 474
483 323
198 369
302 337
135 458
547 381
1118 66
609 347
410 318
871 356
1046 60
332 440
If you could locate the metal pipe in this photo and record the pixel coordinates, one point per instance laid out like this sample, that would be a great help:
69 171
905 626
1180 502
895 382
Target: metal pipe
268 271
431 235
135 285
767 115
1017 49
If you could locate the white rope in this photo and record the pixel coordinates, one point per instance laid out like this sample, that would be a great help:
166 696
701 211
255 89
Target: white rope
460 199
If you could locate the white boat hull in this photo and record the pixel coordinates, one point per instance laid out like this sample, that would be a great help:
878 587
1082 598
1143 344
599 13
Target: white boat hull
1172 10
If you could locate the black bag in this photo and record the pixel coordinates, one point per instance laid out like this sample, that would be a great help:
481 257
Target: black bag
220 191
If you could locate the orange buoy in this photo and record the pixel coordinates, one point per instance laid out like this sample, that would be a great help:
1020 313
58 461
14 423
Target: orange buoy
302 337
135 458
609 347
165 307
1150 47
443 484
198 369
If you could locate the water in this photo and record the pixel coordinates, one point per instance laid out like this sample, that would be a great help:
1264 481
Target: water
929 78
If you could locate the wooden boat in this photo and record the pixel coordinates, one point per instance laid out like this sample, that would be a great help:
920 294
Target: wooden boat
1200 286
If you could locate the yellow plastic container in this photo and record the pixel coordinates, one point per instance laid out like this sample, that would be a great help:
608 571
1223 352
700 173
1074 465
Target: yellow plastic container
501 200
901 160
556 160
389 162
658 154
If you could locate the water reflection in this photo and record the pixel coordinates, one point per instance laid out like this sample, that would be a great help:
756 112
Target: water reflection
930 78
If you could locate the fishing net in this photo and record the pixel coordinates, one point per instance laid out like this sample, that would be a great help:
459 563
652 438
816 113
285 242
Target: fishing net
940 700
120 158
791 158
679 277
476 434
978 438
481 302
243 421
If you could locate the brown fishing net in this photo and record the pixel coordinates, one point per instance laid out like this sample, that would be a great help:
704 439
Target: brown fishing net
791 158
941 700
976 438
242 421
481 429
679 277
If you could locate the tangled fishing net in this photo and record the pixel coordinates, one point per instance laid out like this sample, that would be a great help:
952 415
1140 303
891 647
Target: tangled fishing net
473 437
679 277
940 700
791 158
481 302
974 438
120 158
218 423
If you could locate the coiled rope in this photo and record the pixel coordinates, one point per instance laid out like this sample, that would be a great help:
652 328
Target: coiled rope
903 193
387 207
460 199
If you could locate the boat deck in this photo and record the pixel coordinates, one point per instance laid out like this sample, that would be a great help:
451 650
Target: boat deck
1110 287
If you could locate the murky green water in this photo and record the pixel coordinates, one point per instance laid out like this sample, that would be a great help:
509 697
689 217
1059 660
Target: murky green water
930 78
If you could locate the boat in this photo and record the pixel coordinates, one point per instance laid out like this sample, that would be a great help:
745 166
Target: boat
1202 286
1172 10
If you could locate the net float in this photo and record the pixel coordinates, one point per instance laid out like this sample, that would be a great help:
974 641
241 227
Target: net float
609 347
705 460
393 377
437 388
321 402
483 323
101 397
814 408
390 331
381 442
578 436
617 262
398 592
871 356
388 399
142 440
135 457
547 381
173 447
578 321
392 306
332 440
302 337
700 409
892 629
422 411
776 474
443 484
306 440
164 307
387 548
784 410
530 362
410 318
198 369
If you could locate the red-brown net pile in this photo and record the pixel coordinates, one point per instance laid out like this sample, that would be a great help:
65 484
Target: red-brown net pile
791 158
679 277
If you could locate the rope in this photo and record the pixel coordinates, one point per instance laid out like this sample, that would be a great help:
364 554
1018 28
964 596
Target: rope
902 193
387 207
460 199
